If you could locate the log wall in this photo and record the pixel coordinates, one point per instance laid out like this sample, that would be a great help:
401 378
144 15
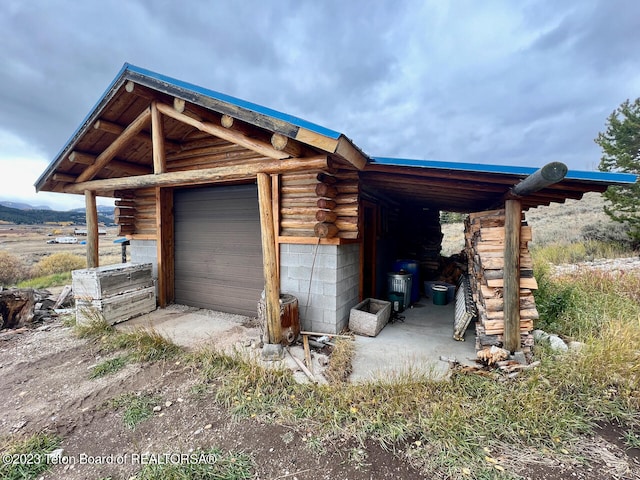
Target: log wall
135 212
319 204
484 246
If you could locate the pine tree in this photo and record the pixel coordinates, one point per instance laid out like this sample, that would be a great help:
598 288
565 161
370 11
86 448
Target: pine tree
620 145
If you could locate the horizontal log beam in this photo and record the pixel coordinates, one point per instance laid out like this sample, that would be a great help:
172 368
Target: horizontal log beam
263 148
194 177
551 173
64 178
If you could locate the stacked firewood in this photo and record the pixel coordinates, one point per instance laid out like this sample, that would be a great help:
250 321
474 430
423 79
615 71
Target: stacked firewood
484 246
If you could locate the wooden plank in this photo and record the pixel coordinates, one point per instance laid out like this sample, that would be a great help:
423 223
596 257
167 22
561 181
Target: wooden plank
307 352
530 283
272 288
316 140
93 257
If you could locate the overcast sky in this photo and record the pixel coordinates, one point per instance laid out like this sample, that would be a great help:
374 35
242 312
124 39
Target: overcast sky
502 82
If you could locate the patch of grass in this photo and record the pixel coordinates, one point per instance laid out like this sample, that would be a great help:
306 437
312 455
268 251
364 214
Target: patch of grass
210 464
575 252
452 422
340 360
136 407
581 304
47 281
145 345
96 328
109 367
34 448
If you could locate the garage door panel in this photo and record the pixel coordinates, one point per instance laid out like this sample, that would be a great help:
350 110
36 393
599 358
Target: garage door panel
218 250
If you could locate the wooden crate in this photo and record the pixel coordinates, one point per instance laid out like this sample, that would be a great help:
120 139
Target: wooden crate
104 282
117 308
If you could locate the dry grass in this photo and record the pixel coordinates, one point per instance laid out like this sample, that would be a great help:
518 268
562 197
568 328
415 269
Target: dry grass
561 225
340 361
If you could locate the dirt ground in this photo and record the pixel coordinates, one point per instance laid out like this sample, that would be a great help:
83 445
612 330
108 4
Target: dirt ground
45 387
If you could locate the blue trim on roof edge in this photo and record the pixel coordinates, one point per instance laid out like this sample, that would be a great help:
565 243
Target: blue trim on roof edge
254 107
608 177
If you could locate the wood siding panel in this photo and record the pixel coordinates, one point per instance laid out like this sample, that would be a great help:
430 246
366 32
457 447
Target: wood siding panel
218 251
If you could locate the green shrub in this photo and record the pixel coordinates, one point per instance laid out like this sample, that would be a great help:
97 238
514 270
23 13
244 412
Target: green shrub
59 263
11 269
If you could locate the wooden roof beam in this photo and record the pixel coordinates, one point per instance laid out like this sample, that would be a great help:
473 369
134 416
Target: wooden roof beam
548 175
123 139
116 129
207 175
83 158
258 146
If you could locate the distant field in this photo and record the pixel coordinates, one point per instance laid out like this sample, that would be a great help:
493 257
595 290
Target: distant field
555 223
29 242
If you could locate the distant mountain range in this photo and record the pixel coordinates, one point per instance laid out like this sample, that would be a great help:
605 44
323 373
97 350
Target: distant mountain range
23 213
24 206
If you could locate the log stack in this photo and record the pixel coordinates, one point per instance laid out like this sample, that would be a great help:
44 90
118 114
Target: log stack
484 246
319 204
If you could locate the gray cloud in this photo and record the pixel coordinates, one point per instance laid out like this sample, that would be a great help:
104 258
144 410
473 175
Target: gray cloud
489 82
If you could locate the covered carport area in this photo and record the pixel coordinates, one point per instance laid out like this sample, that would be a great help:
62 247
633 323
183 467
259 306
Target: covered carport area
402 201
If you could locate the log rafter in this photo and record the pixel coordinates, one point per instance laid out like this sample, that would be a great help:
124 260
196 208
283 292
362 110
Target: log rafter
110 152
229 134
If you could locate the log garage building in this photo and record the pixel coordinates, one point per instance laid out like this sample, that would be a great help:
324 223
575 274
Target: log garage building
227 198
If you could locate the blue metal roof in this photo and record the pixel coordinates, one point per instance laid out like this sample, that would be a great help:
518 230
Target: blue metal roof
606 177
254 107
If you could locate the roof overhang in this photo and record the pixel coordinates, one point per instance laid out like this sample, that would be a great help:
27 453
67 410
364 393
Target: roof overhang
306 133
451 186
468 187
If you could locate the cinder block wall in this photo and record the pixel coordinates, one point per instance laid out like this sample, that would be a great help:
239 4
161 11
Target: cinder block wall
145 251
335 282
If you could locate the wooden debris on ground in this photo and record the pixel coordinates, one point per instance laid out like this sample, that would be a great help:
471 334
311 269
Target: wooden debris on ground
24 307
484 247
492 355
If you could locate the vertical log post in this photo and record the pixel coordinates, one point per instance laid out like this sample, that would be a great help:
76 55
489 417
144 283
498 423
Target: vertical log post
165 246
271 287
512 225
92 229
157 140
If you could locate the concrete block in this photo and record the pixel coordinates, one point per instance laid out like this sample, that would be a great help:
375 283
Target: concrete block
327 275
322 327
289 285
302 249
327 261
317 287
288 260
312 312
300 273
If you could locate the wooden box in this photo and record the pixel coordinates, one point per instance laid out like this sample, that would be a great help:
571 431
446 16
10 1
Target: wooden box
104 282
117 308
369 317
